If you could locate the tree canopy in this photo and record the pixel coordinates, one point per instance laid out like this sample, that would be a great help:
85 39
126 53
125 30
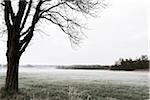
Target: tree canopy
22 16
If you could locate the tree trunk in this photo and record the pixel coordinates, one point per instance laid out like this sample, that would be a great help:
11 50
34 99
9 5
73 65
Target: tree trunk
12 74
16 46
12 62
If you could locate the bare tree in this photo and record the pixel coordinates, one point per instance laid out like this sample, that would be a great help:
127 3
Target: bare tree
21 24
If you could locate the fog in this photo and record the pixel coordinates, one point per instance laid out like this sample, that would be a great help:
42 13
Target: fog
120 77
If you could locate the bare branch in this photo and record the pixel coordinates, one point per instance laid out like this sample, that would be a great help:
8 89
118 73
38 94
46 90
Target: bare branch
20 13
26 15
29 32
63 13
59 15
25 43
54 6
7 12
26 32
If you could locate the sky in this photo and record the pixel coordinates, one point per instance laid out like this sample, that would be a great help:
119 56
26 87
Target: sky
121 31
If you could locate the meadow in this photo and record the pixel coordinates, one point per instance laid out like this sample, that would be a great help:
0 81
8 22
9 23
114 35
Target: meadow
39 83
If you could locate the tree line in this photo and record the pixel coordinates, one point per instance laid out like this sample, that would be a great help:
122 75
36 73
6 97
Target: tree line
122 64
131 64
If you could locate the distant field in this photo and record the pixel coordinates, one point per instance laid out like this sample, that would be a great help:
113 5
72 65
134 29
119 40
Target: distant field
51 84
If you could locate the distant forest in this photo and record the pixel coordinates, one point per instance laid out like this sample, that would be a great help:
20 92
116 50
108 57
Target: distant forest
141 63
130 64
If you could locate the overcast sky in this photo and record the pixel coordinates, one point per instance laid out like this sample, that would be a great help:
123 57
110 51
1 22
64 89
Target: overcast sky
120 32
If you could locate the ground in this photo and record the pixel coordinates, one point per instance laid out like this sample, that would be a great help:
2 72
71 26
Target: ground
47 84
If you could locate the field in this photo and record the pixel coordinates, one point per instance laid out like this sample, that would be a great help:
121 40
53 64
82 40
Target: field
60 84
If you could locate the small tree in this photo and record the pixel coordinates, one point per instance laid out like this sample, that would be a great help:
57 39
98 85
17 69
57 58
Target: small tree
21 24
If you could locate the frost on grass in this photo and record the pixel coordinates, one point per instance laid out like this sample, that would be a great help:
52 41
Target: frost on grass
75 94
80 85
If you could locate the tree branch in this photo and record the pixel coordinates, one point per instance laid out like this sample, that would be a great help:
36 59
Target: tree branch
26 32
29 33
45 11
25 42
7 12
26 15
20 13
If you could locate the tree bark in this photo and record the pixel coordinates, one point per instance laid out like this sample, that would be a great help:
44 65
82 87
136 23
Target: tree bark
12 74
12 62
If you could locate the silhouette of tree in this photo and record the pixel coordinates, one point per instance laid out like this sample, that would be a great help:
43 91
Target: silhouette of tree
21 26
130 64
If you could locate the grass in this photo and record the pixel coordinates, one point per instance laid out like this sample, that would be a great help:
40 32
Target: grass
68 90
35 88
